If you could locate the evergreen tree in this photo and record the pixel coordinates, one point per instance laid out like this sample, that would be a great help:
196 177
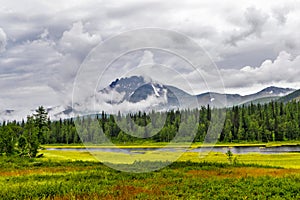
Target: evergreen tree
31 138
7 140
41 121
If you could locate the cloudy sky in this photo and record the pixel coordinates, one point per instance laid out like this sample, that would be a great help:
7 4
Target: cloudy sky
254 44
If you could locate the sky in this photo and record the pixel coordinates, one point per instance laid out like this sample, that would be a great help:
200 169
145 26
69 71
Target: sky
43 44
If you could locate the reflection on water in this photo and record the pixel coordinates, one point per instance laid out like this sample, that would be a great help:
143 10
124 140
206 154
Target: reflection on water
223 149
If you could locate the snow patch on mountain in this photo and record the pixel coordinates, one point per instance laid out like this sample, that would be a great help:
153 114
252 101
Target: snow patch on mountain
155 90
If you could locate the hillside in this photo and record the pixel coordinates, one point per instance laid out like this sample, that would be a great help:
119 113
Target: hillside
291 97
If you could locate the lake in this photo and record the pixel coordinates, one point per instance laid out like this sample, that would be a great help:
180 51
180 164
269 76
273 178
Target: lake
221 149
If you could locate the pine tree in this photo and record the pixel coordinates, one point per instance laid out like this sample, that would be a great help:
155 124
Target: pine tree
7 140
41 121
31 137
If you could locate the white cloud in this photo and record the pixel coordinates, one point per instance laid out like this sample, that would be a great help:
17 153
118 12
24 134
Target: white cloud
2 40
283 71
78 42
44 62
43 42
151 103
147 58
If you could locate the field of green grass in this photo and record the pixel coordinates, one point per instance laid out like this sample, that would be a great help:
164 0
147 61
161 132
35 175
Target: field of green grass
79 175
285 160
49 179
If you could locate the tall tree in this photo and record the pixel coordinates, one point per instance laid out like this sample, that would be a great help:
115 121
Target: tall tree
41 121
7 140
30 138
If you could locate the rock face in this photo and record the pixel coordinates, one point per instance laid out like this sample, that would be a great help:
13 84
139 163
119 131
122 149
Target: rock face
137 89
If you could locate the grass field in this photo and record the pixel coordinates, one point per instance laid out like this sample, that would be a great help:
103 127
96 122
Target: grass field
42 179
286 160
79 175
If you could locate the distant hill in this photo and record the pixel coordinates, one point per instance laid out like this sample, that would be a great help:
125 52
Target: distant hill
266 95
294 96
262 100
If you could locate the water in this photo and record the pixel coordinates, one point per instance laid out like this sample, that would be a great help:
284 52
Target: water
223 149
252 149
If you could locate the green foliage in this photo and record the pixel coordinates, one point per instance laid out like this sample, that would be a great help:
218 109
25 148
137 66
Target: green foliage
22 144
41 122
7 140
231 158
24 138
31 138
229 155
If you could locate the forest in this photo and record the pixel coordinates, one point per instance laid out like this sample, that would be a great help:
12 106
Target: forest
274 121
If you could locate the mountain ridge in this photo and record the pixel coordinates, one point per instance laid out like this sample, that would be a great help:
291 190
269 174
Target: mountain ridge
135 90
294 96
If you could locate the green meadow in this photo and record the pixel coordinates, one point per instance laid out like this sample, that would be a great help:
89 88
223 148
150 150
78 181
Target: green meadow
285 160
80 175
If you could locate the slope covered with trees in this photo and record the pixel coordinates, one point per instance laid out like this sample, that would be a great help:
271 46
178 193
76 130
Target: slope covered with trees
274 121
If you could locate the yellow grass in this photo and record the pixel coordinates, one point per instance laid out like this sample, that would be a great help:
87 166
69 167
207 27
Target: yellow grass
286 160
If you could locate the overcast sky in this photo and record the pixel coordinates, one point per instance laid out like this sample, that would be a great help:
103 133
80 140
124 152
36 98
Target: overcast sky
254 44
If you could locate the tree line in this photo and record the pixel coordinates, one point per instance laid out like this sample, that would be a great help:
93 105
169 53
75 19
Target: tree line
24 138
273 121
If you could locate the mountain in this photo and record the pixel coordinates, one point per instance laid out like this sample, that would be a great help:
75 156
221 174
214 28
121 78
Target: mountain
294 96
57 112
6 115
54 112
266 95
137 89
135 93
11 115
7 112
270 92
124 87
144 93
213 99
262 100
